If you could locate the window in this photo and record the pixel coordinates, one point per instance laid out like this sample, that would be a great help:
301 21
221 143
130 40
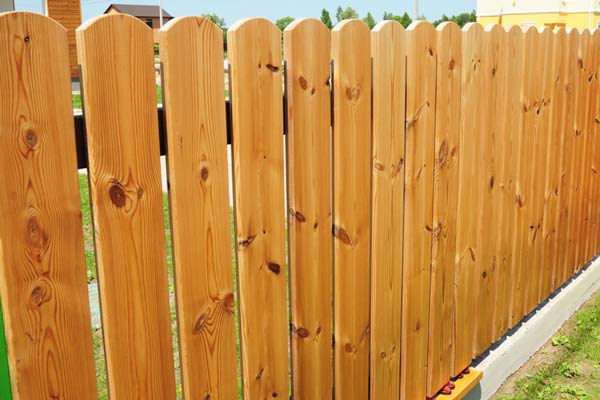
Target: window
148 22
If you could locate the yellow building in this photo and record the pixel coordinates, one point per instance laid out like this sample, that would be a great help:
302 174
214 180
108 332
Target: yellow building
550 13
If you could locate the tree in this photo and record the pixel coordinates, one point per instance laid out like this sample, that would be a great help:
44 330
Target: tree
369 20
348 13
404 19
282 23
326 18
460 19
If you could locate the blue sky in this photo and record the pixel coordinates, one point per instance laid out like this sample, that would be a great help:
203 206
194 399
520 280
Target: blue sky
232 10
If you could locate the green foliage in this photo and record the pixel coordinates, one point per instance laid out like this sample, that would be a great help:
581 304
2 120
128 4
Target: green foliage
347 13
404 19
460 19
369 20
282 23
326 18
560 340
4 376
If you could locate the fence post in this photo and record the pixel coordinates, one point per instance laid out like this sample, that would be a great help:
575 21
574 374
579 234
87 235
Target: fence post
4 375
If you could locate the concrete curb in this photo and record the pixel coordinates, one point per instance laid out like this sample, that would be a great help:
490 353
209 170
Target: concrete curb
508 354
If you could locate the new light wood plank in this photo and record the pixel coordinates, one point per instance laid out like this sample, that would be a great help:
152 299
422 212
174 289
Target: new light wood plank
117 62
510 73
489 155
541 172
388 49
307 52
351 54
466 276
525 273
42 265
447 130
191 51
591 84
254 47
418 206
566 207
553 190
510 203
580 146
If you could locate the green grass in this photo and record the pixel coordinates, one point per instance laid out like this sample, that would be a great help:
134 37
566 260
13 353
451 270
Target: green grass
91 274
574 371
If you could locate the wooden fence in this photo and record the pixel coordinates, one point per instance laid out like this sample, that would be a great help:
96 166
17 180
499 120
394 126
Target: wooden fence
440 185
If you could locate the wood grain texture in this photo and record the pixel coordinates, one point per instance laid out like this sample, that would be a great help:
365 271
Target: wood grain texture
568 165
466 277
256 93
446 162
489 156
553 190
544 177
388 49
591 86
595 196
526 229
117 63
68 14
307 52
351 54
418 205
541 130
580 147
191 51
42 265
510 140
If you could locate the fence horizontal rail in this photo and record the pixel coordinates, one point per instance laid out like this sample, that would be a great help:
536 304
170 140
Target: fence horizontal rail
434 185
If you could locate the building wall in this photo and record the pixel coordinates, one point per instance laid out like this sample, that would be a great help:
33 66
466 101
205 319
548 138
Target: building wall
569 13
155 22
68 14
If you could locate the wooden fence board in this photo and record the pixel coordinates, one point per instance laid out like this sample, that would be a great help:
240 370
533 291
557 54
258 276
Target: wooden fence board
510 201
254 47
489 156
447 129
569 156
42 264
553 190
543 144
307 55
581 144
5 386
466 279
388 49
591 84
500 181
418 206
595 198
526 230
351 54
117 63
192 60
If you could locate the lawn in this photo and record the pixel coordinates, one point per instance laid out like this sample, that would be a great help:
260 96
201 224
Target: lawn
77 98
91 274
567 367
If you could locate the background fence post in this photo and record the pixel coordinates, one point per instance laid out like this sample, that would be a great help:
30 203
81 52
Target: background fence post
4 375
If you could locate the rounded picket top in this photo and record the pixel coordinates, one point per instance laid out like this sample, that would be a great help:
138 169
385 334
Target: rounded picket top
473 27
190 22
494 28
180 29
305 25
350 24
420 26
448 26
389 25
114 21
254 23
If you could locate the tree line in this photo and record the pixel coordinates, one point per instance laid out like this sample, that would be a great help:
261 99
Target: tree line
350 13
